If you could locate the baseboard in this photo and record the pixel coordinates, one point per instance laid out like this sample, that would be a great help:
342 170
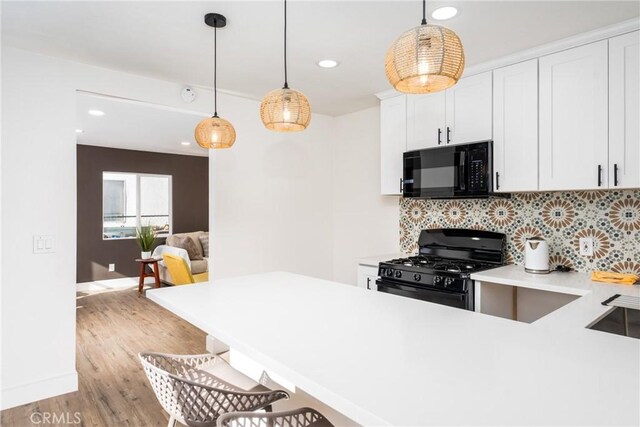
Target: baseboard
32 392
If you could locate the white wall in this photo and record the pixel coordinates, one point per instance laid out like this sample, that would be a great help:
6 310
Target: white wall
272 204
364 222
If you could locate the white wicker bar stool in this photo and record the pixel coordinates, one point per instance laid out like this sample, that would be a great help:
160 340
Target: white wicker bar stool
303 417
196 389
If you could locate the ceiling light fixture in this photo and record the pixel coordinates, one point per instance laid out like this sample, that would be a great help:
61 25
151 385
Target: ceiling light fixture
79 131
215 132
327 63
285 110
427 58
96 113
185 143
444 13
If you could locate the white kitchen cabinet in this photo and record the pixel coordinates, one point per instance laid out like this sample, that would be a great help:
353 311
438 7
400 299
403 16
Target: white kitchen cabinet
367 276
468 110
574 118
624 111
426 121
393 143
515 127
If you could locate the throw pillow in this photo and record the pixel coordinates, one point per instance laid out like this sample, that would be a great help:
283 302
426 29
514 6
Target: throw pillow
187 243
204 241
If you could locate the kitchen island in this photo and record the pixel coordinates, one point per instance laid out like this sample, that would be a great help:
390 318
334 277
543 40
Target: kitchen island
382 359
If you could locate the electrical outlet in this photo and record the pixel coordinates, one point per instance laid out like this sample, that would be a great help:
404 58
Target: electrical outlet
112 267
586 246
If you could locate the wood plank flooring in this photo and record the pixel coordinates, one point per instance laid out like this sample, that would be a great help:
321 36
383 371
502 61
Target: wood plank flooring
112 327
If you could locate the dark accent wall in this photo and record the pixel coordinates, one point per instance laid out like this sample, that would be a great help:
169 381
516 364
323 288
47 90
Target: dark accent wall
190 187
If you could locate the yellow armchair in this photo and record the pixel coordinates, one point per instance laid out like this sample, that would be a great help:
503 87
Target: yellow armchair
179 271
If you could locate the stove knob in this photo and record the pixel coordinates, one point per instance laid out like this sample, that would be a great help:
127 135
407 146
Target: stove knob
389 272
437 280
447 281
417 277
398 274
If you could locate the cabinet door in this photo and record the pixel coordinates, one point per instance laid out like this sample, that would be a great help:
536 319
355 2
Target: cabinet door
468 110
624 113
425 120
574 118
367 276
393 143
515 127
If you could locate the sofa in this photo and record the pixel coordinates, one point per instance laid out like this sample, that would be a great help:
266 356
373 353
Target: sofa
197 266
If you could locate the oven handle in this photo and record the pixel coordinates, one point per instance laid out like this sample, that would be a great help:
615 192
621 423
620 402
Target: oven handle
382 284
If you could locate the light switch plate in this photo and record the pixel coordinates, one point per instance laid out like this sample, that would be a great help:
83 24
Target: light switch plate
43 244
112 267
586 246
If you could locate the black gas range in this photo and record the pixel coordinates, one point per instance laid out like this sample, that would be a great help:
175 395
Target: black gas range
441 271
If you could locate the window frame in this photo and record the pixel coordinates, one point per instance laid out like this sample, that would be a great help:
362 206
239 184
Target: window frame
138 176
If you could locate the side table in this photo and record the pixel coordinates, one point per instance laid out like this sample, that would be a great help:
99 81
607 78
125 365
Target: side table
153 265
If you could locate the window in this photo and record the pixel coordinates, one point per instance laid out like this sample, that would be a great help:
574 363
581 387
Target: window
131 200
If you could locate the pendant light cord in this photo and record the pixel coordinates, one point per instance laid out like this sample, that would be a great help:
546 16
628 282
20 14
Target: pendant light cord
286 84
424 12
215 71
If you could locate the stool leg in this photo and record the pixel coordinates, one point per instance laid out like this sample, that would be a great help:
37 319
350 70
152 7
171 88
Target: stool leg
141 282
156 274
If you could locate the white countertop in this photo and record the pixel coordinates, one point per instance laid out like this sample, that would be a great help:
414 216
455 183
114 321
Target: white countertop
384 359
579 314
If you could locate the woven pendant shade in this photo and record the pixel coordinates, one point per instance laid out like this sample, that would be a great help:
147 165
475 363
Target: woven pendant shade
214 132
285 110
425 59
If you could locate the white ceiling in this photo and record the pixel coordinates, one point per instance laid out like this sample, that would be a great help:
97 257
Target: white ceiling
136 126
169 40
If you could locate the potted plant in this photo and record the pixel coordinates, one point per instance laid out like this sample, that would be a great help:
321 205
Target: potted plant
145 236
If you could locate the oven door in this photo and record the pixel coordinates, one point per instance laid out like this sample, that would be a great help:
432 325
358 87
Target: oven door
451 299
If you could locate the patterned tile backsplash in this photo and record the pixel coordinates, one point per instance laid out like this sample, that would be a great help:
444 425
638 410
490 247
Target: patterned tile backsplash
611 218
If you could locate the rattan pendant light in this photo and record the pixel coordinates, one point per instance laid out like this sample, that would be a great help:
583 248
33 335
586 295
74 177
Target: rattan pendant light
215 132
425 59
285 110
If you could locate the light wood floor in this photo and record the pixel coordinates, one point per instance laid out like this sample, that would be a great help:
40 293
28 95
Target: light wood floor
112 327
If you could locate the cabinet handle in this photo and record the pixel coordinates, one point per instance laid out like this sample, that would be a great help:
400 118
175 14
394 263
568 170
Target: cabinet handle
369 283
599 175
439 136
448 135
615 174
497 180
401 186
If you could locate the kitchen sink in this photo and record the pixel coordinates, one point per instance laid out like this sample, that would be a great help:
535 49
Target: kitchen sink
614 322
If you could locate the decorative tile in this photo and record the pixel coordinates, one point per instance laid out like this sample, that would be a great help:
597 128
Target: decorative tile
611 218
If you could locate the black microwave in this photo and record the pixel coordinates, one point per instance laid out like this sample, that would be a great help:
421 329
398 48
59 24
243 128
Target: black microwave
449 172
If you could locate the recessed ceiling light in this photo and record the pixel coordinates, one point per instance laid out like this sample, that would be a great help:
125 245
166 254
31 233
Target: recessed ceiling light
96 112
446 12
79 131
327 63
185 143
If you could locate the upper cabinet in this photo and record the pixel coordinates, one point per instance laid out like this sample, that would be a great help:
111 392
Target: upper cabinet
459 115
565 121
393 143
468 110
515 127
574 118
624 111
425 120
